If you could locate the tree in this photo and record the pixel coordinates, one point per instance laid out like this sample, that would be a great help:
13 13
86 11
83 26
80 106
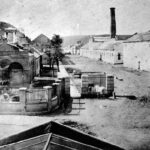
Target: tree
56 43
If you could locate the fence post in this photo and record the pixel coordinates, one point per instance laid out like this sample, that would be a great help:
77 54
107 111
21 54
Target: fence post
59 91
67 86
110 85
49 96
23 97
84 85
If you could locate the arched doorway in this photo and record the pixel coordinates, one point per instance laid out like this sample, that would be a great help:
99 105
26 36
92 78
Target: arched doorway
15 73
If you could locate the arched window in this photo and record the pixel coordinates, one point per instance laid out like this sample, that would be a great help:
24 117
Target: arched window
4 63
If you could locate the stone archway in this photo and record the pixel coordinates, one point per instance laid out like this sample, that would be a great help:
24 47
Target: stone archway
16 74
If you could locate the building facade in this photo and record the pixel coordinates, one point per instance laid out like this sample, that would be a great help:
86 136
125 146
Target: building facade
136 51
16 65
104 49
137 55
112 52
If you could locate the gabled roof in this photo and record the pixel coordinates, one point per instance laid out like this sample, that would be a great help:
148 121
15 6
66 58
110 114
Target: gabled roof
4 47
100 38
4 25
110 45
107 37
140 37
41 39
123 37
35 50
10 29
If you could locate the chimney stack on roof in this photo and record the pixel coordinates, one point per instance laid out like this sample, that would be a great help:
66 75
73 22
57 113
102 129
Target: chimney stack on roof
113 23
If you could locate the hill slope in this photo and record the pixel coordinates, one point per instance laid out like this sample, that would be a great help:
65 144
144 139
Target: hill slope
71 40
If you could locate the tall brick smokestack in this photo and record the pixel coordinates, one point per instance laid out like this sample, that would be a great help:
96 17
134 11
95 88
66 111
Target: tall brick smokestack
113 23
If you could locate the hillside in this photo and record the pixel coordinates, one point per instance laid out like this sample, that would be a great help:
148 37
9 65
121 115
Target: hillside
71 40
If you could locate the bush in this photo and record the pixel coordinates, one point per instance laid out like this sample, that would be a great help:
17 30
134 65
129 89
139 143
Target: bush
144 99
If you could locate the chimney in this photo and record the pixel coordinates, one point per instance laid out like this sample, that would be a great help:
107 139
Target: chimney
113 23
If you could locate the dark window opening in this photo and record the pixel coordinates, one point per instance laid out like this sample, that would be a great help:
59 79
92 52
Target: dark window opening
119 56
15 66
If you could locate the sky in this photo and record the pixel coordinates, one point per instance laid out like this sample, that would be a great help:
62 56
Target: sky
75 17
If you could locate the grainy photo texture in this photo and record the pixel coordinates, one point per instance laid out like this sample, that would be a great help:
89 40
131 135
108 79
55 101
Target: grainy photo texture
75 74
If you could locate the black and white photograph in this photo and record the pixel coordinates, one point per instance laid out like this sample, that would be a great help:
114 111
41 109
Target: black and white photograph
74 74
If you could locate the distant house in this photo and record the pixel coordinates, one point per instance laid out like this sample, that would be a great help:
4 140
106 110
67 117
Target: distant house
67 49
91 49
84 50
111 52
42 42
44 58
75 49
136 51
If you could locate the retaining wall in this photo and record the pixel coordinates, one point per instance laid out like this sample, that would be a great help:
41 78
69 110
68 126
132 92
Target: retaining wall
33 101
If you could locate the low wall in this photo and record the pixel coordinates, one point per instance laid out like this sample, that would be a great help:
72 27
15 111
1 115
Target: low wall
63 75
92 79
33 101
37 100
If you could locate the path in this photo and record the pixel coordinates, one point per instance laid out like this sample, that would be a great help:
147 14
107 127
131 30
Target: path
102 116
127 81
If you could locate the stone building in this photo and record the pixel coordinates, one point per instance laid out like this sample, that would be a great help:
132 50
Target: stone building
91 49
111 52
107 48
42 42
13 35
136 51
16 65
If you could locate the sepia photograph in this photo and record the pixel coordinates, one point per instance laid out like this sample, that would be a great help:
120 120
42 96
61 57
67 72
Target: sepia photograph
74 74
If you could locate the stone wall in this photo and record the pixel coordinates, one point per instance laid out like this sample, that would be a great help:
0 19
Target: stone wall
101 79
32 101
11 54
136 55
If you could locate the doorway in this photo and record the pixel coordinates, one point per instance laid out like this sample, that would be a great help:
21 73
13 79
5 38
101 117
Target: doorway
16 74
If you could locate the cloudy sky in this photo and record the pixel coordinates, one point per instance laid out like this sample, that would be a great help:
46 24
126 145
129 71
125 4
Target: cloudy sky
73 17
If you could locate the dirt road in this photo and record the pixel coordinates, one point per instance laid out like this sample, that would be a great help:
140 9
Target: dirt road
122 122
127 81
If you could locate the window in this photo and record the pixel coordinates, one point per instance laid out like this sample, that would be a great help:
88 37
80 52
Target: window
119 56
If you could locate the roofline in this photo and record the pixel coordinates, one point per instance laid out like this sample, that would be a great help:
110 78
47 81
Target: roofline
37 51
136 41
